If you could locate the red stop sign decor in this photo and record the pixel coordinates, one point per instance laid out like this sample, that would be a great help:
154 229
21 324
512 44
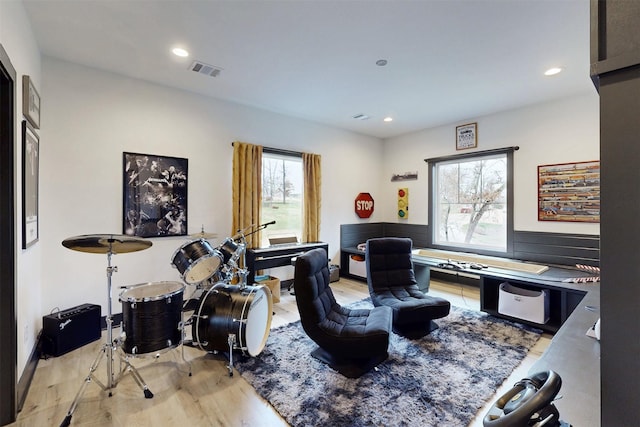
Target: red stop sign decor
364 205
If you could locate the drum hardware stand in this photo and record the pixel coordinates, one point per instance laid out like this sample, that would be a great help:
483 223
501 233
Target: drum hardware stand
231 340
124 360
108 351
241 236
181 326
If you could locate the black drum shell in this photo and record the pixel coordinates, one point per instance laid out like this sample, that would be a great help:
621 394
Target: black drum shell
228 249
197 261
153 322
220 313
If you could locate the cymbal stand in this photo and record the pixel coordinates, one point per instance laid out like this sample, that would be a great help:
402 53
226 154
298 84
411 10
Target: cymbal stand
107 350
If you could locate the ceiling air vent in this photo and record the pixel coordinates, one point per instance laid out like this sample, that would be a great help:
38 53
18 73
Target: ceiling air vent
361 117
206 69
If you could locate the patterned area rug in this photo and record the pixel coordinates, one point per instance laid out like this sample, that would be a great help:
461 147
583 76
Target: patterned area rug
442 379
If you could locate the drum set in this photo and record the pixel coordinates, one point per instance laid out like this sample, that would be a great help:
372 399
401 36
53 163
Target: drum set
223 312
229 314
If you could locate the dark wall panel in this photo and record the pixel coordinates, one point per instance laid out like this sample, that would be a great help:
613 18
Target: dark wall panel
417 232
353 234
615 70
557 248
620 229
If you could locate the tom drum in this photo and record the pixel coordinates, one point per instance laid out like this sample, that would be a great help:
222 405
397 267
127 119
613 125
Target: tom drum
230 250
151 317
197 261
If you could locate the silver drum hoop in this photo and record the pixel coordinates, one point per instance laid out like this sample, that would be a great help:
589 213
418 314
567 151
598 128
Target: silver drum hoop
151 291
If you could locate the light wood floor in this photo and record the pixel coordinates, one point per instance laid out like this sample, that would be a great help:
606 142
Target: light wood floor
208 398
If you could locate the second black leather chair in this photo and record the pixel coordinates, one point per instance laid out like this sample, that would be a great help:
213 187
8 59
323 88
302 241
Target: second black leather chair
392 283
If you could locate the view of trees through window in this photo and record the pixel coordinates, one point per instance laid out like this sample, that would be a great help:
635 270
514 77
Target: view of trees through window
470 202
282 192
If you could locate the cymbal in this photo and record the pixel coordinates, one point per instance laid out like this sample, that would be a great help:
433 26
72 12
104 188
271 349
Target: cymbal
203 235
105 243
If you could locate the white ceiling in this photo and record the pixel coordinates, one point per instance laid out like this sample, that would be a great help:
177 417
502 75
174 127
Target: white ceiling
448 61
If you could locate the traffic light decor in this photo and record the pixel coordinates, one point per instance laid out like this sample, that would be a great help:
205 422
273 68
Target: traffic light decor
403 203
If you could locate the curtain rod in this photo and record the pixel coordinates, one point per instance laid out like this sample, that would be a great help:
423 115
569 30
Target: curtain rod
280 151
473 154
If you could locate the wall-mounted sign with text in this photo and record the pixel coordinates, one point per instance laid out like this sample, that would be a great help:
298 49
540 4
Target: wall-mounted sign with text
364 205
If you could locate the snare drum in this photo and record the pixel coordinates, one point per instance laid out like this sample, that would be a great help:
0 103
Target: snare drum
151 317
226 310
197 261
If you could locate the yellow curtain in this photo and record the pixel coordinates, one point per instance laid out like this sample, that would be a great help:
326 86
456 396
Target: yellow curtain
247 189
312 197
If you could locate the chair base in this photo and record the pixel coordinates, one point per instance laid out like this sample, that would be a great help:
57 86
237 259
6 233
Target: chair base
415 331
350 368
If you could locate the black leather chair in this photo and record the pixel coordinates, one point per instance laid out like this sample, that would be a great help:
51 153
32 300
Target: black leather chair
351 341
392 283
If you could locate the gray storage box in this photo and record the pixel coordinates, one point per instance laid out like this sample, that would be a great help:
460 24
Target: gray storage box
334 273
523 304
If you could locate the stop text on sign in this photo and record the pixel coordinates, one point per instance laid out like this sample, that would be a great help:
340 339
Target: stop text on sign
364 205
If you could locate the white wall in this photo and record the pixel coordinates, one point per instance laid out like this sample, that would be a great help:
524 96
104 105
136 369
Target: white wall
17 39
566 130
90 117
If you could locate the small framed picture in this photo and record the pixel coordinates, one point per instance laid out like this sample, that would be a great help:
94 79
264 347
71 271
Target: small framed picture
467 136
30 102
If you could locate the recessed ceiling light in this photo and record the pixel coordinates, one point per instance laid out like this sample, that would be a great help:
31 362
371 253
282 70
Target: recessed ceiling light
552 71
381 62
387 119
178 51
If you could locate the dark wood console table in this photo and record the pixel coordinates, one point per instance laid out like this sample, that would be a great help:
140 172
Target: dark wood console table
574 308
563 297
277 256
576 358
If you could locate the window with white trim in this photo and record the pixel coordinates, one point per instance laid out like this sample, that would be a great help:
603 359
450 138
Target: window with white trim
282 196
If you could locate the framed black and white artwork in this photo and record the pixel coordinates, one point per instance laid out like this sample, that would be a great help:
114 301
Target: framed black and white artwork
30 175
154 195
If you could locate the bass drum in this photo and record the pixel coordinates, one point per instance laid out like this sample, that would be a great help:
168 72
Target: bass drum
151 317
196 261
227 310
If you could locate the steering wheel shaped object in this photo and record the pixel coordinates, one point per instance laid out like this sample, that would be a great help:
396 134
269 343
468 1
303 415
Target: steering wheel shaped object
528 397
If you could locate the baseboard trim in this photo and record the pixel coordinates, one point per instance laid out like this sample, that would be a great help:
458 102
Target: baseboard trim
24 383
116 320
